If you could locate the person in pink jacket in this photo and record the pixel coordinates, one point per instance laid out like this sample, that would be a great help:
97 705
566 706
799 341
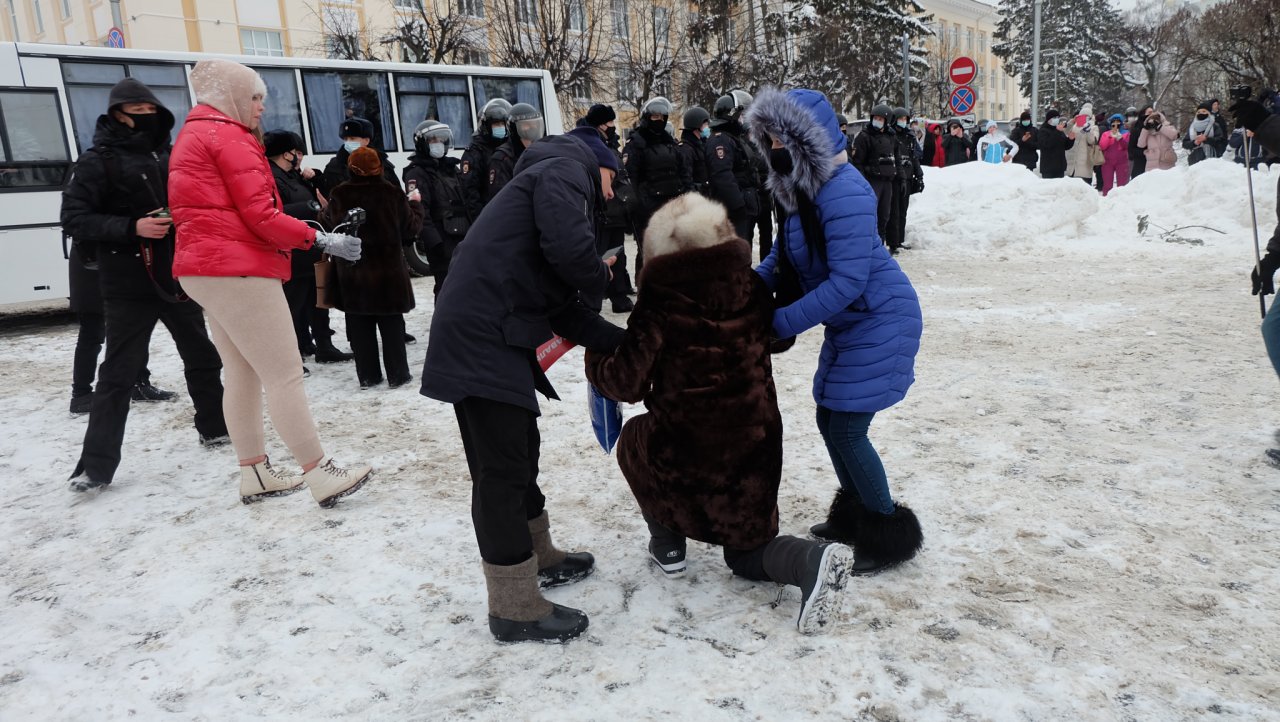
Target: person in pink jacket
1115 154
232 257
1156 140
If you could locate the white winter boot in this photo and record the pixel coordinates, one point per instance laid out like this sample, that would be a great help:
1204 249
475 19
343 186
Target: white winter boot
329 483
259 481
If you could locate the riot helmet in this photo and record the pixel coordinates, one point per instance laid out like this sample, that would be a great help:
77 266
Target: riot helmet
657 106
526 122
497 110
882 110
729 107
695 117
431 130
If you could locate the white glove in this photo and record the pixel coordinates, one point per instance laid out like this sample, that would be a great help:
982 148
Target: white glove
340 245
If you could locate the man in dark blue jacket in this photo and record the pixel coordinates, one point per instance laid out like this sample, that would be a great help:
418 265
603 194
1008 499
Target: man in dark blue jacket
513 284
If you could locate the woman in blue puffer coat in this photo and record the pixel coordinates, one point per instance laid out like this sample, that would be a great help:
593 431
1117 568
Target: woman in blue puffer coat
841 275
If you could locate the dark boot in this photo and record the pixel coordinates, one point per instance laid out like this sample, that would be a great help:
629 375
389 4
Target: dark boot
556 567
841 518
820 570
517 611
144 391
882 541
327 353
81 404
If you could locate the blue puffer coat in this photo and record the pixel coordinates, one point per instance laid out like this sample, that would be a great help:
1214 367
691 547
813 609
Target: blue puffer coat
870 310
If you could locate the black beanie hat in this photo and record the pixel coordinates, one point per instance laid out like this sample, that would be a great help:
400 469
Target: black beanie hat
279 142
600 114
1051 114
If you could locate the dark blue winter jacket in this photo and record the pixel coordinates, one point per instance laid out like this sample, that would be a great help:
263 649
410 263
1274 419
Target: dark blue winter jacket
514 281
870 310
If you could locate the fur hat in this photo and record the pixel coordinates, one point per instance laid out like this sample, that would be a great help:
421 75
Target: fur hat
685 223
365 162
356 128
279 142
600 114
228 87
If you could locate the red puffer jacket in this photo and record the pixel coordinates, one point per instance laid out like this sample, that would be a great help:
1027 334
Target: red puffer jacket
224 203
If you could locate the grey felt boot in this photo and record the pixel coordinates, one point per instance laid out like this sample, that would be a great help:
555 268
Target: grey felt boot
518 612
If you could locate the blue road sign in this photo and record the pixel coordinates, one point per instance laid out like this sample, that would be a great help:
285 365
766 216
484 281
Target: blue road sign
115 38
963 99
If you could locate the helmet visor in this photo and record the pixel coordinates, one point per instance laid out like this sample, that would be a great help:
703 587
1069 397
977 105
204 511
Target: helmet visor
530 129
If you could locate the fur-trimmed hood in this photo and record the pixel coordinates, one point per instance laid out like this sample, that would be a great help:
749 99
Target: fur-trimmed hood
806 125
686 222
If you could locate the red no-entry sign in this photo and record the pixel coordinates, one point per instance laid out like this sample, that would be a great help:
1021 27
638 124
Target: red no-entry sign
963 70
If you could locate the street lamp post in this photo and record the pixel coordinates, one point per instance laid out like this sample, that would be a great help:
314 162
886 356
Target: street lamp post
1035 69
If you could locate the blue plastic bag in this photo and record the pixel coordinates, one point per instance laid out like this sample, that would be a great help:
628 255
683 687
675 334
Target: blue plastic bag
606 418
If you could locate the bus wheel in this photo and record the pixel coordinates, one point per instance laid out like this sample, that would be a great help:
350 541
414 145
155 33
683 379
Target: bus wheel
418 264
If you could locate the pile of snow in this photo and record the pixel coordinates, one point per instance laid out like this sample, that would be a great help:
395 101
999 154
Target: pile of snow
981 208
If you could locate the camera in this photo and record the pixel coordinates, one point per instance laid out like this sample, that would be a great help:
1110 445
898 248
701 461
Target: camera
1151 124
1241 92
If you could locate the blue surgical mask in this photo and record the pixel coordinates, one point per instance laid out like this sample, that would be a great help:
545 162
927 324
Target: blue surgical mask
436 150
902 124
500 132
352 146
877 124
706 132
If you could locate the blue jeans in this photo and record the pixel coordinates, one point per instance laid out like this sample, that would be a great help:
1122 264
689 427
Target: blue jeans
1271 335
856 462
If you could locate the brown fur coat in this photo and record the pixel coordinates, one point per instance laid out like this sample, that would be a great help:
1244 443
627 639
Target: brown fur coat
706 459
379 282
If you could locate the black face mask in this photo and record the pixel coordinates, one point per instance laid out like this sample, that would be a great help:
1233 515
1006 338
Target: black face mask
780 161
145 123
658 124
611 135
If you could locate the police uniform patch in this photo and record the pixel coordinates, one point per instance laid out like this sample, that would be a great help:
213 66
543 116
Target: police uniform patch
493 175
720 152
466 167
624 158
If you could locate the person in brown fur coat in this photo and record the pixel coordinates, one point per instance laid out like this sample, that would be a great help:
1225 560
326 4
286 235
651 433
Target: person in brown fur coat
705 461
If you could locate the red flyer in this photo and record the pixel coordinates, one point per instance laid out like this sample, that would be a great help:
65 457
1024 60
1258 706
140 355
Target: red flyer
551 351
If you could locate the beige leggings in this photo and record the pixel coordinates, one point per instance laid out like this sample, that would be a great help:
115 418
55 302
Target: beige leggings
254 335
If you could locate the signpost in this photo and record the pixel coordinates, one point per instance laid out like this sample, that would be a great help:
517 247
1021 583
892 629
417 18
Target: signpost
962 100
962 71
115 38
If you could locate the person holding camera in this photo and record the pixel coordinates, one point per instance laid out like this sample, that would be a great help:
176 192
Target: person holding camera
114 205
1137 158
1115 153
234 243
1156 141
955 147
1054 142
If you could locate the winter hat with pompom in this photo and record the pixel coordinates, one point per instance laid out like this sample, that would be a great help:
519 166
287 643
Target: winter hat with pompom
228 87
365 162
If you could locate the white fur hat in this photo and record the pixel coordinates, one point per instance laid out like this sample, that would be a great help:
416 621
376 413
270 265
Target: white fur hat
684 223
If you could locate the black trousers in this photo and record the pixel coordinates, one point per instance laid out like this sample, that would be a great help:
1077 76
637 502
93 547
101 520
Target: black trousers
898 217
618 286
129 325
764 225
310 324
439 256
884 205
780 560
1053 173
1137 167
363 331
501 442
744 226
84 364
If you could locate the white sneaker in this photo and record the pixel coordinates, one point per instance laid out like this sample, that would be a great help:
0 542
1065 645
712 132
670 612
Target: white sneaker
259 481
329 483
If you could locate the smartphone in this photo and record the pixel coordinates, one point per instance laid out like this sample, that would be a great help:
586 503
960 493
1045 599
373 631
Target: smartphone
611 253
410 187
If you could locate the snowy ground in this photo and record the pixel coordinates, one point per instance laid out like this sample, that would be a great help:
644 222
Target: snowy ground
1083 446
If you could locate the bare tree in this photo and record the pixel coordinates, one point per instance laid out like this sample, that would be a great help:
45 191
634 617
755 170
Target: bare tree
738 44
435 35
935 80
569 38
1159 48
1242 39
342 37
649 50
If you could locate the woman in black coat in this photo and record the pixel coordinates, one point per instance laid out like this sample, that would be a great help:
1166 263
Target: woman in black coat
955 146
1053 146
375 292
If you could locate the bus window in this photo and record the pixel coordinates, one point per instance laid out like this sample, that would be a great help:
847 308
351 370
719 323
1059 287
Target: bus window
334 97
443 98
284 112
32 140
513 90
89 89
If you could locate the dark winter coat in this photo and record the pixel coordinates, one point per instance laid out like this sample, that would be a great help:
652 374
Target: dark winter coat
1268 134
910 173
448 216
502 167
298 199
516 279
474 171
694 149
875 153
731 175
854 287
1028 140
706 459
107 194
957 150
379 282
656 167
335 172
1053 151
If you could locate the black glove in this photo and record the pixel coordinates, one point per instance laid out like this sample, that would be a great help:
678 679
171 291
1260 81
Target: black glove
1264 283
1250 114
781 345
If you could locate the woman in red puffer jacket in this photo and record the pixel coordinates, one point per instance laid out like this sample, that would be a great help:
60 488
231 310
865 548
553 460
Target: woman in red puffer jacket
232 257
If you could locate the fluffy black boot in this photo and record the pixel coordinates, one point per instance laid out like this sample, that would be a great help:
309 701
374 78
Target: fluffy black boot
881 541
842 519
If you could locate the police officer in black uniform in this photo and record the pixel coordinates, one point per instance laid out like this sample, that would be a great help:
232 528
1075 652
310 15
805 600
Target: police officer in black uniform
731 176
473 173
693 145
436 177
909 180
875 155
655 165
523 127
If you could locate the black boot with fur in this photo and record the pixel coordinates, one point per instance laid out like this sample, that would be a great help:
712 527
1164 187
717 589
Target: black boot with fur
842 519
881 541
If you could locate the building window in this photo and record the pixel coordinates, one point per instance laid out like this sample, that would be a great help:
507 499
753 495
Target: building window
623 85
473 56
620 25
577 15
662 25
982 42
471 8
264 43
526 11
968 39
581 89
66 9
39 17
409 4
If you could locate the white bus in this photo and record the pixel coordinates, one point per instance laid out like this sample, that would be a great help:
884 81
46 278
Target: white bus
51 97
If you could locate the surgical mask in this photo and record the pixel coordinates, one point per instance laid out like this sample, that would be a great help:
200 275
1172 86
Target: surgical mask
1026 122
500 132
877 124
706 132
295 162
780 161
902 124
352 146
1133 119
146 123
436 150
